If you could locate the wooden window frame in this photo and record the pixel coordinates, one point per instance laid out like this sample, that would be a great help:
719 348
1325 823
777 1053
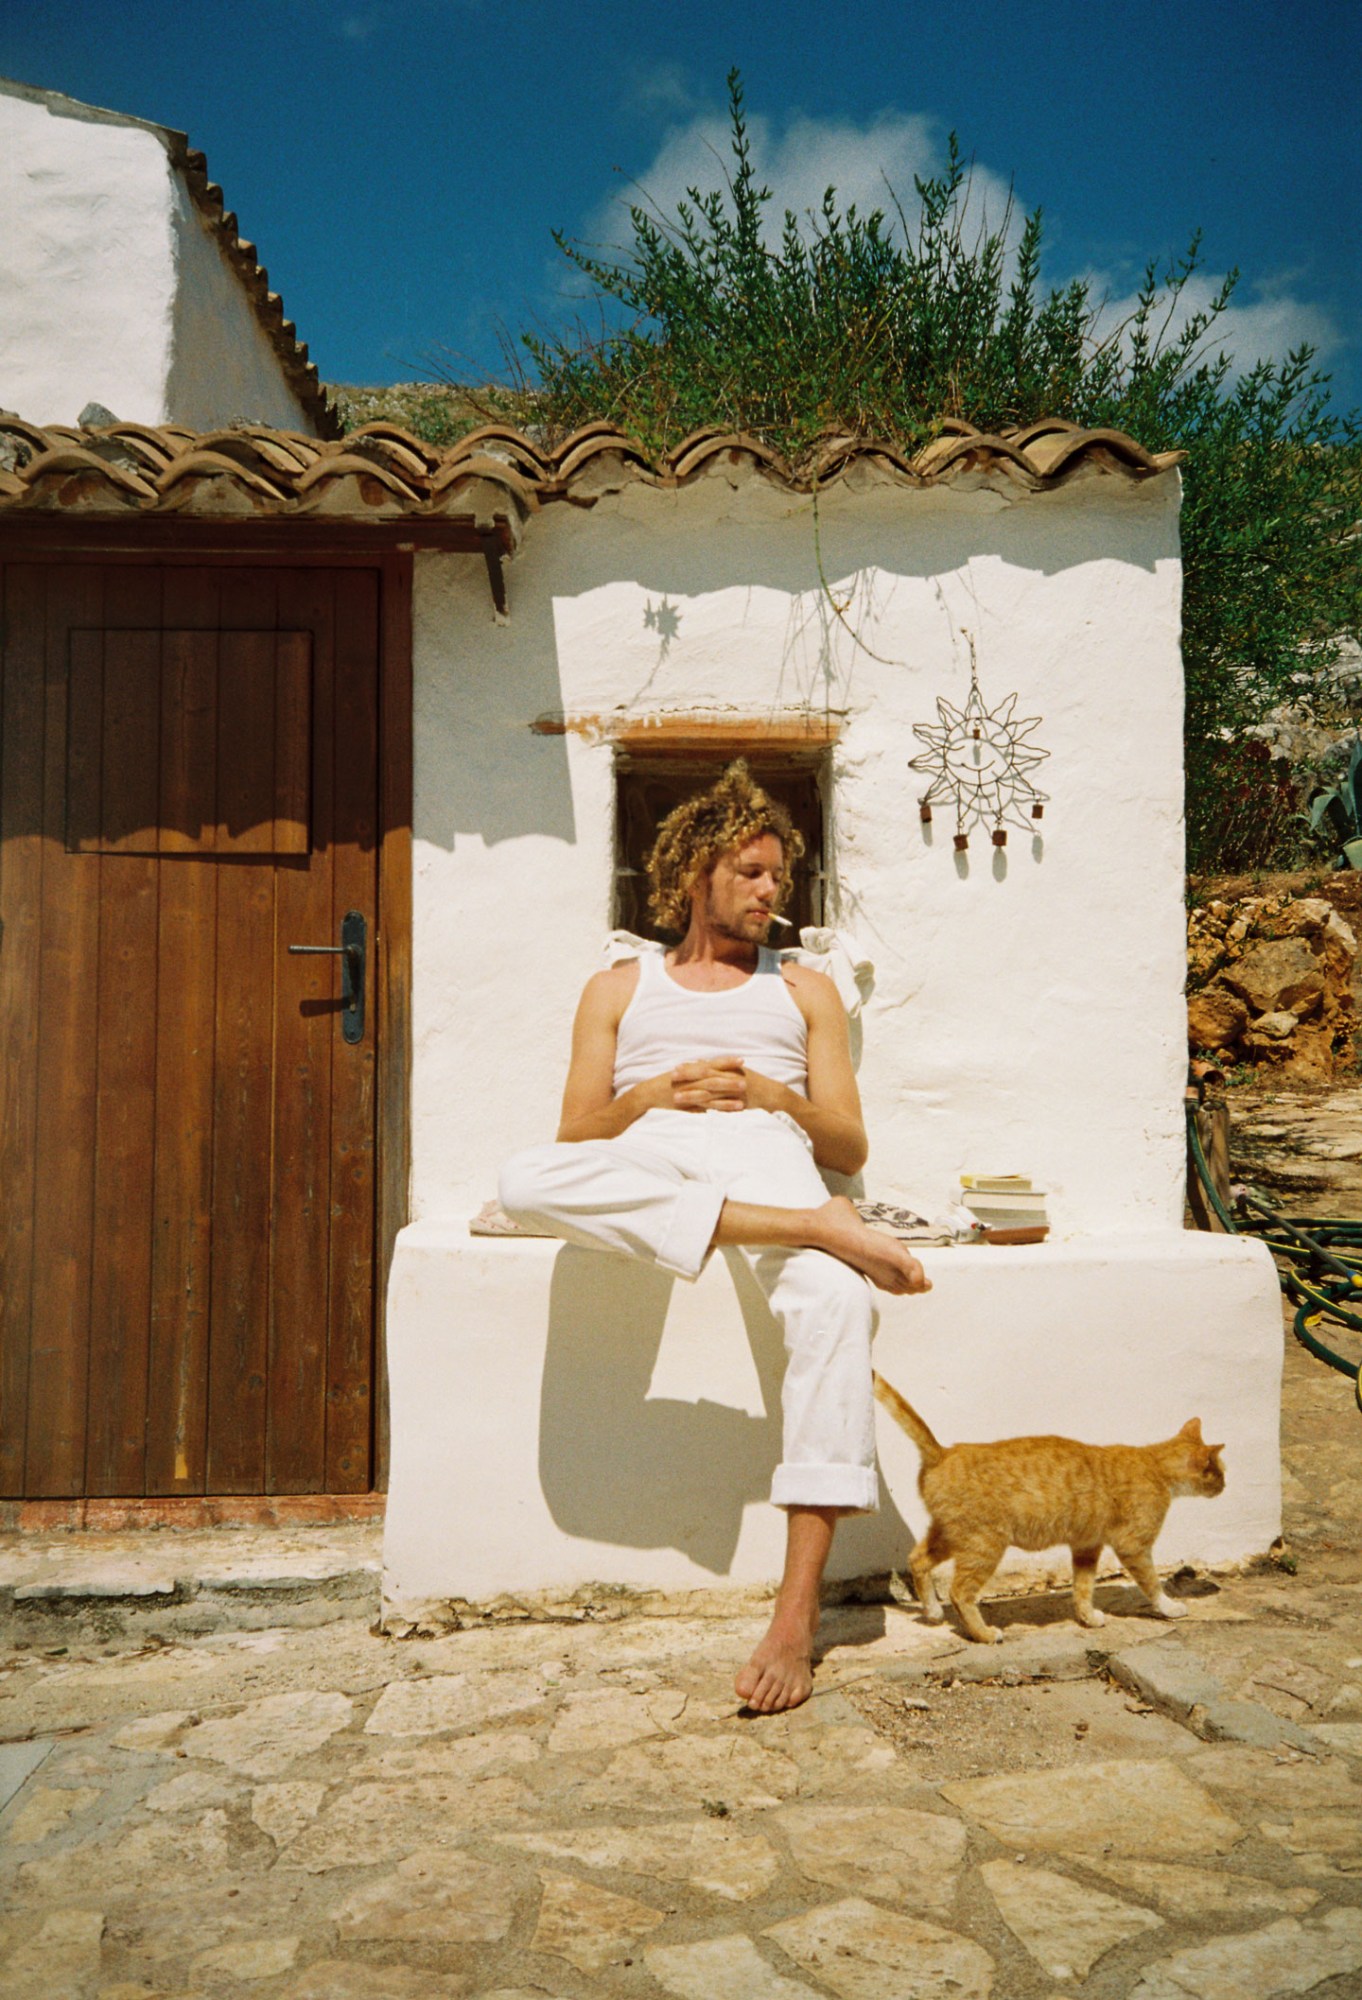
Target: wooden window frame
682 756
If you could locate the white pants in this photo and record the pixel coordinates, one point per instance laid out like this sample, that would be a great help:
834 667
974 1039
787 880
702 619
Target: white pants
655 1192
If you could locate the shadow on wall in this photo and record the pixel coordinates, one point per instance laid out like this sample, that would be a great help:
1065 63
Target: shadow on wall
482 688
618 1466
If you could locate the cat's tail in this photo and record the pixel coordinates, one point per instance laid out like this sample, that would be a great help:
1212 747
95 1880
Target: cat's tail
930 1452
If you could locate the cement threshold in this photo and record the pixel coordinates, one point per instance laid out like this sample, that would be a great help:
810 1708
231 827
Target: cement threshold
186 1583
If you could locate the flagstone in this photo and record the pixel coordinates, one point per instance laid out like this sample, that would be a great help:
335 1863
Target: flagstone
462 1758
436 1895
590 1927
44 1808
196 1915
249 1958
722 1965
1344 1736
439 1702
364 1979
191 1792
865 1953
50 1955
603 1721
709 1854
156 1733
1181 1891
691 1770
1270 1779
1291 1956
1127 1806
381 1822
262 1739
1287 1687
285 1809
841 1757
885 1851
1335 1834
1065 1927
156 1860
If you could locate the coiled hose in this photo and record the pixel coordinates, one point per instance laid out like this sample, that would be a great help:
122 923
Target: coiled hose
1319 1260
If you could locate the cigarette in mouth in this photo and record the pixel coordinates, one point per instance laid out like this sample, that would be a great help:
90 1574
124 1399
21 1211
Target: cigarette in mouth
784 922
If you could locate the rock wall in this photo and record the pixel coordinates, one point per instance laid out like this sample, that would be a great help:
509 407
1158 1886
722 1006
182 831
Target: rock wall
1270 979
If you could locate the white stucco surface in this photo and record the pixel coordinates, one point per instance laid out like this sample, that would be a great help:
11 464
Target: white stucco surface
1027 1014
558 1418
114 289
561 1418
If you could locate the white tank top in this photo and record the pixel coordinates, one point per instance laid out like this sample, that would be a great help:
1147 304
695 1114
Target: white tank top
666 1024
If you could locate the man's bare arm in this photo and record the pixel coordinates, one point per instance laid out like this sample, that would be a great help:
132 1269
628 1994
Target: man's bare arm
590 1108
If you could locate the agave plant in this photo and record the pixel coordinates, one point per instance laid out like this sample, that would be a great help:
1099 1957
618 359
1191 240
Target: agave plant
1341 806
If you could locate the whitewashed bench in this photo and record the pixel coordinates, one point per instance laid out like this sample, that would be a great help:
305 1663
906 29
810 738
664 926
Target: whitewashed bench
562 1418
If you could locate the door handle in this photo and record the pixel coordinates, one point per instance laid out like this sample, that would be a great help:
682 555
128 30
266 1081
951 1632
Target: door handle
353 953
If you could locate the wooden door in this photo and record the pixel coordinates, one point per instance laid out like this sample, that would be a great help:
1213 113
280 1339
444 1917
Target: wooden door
188 786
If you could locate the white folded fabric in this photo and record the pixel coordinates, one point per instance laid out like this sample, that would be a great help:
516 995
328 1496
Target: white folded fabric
834 952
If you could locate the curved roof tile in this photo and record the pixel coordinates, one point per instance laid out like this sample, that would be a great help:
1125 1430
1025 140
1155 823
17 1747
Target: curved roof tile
382 472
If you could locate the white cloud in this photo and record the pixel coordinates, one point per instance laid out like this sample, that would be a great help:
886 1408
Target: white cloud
798 162
661 88
799 159
1266 325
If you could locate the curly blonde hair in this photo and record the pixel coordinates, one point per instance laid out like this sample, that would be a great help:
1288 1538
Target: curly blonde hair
701 830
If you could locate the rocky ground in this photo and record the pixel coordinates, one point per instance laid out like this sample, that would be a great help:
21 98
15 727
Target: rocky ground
303 1811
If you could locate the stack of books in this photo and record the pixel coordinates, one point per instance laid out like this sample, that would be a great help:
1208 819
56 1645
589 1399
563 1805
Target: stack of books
1007 1207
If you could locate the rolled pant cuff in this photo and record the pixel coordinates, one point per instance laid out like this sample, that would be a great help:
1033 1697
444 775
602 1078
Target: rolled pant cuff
695 1216
854 1486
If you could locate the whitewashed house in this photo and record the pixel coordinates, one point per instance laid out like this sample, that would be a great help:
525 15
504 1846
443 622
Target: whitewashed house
414 710
126 284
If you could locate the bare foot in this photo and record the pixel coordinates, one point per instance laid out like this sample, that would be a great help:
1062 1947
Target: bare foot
885 1261
780 1673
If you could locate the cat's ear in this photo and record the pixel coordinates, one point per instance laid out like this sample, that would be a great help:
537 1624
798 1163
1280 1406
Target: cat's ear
1191 1429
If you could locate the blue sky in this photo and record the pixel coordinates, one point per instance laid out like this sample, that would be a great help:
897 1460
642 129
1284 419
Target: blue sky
400 163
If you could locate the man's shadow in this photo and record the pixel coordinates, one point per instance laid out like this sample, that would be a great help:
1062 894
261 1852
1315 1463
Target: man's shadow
619 1466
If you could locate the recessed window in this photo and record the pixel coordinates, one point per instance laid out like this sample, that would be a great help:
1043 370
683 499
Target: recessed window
648 783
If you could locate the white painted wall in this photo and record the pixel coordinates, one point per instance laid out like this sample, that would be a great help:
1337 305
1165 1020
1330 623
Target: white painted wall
222 365
562 1419
114 290
1027 1013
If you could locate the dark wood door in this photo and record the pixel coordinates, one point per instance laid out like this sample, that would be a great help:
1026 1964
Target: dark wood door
188 786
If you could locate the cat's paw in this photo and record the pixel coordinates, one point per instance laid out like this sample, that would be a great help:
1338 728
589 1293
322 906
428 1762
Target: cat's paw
1092 1617
1169 1607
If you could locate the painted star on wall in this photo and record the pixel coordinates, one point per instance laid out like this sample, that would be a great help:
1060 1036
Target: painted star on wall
979 758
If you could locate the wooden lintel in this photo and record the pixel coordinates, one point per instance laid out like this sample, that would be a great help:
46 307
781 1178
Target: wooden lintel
176 536
703 734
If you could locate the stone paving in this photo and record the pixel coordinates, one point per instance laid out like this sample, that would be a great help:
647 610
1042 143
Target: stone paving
305 1811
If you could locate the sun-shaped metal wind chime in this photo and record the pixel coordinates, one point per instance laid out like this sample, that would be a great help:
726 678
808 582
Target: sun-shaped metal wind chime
979 757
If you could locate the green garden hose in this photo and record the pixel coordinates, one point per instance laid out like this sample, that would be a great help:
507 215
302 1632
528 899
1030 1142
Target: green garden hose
1319 1260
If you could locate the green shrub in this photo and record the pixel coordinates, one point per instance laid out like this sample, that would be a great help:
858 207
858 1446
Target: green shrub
880 326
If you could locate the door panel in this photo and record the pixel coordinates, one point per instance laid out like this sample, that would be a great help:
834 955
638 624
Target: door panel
190 767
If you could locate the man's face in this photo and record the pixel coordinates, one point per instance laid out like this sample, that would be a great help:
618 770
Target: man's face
741 889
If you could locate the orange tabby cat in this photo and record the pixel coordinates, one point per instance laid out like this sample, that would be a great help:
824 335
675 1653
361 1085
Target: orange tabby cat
1034 1492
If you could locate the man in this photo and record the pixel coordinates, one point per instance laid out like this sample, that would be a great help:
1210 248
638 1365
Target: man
706 1088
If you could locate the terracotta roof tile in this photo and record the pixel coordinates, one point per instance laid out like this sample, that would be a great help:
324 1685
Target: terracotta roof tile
494 474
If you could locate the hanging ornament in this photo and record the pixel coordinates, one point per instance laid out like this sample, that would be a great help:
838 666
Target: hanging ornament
979 758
